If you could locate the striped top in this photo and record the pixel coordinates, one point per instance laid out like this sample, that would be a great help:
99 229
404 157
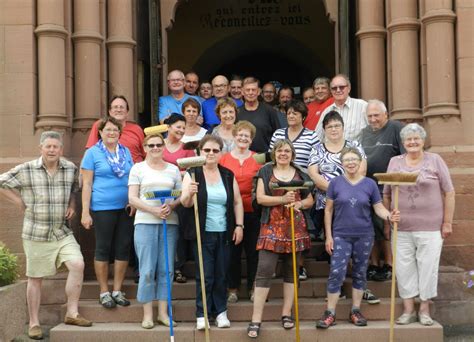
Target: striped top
353 113
303 144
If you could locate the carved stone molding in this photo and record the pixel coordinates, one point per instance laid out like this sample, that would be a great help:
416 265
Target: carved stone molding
88 36
371 32
438 16
51 30
403 24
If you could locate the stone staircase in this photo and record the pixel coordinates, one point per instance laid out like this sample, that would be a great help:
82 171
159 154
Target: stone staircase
123 323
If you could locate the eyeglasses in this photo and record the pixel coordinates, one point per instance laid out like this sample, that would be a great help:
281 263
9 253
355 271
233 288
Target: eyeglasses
339 88
219 86
171 80
111 130
335 126
350 160
208 150
117 107
155 145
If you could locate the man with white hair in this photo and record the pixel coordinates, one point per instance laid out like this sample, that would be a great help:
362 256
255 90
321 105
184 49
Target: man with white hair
381 141
43 189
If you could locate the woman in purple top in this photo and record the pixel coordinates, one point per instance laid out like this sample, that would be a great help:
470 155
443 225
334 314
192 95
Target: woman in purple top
350 234
428 210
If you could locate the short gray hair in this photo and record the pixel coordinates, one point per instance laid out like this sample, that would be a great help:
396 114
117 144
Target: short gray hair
344 76
321 80
51 135
377 103
412 128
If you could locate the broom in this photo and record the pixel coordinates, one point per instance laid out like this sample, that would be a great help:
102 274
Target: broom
395 179
185 163
163 195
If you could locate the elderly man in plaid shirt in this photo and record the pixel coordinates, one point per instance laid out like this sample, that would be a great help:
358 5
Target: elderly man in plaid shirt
43 189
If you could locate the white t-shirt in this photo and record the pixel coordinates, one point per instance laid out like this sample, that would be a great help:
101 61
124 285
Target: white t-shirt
152 180
198 136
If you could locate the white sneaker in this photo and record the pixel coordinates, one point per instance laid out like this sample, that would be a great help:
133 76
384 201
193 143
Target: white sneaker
200 323
222 321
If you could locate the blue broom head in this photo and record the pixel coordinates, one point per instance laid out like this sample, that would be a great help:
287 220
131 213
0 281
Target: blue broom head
150 195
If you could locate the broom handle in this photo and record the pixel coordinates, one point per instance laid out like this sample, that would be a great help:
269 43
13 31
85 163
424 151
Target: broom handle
394 262
201 266
295 273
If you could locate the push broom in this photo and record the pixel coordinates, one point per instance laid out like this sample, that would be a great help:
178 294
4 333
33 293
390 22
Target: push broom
163 195
395 180
292 186
186 163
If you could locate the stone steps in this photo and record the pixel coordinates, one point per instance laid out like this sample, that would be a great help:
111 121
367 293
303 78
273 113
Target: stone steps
270 332
184 310
312 288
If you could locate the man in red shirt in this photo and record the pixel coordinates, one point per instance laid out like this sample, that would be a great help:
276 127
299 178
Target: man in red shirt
323 100
132 134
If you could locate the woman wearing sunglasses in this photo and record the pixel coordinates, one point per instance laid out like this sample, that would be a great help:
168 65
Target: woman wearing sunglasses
221 218
151 175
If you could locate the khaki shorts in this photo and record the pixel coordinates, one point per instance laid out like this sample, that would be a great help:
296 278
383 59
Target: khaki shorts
44 258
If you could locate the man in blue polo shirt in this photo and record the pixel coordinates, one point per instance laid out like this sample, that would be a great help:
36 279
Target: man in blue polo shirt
220 89
172 103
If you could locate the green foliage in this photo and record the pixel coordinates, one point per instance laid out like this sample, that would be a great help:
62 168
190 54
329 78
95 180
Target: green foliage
8 266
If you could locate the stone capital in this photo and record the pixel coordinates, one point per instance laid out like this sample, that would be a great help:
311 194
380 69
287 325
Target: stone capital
371 32
51 30
403 24
438 16
88 36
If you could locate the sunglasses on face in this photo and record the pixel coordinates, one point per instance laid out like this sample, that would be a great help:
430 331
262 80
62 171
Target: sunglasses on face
155 145
209 150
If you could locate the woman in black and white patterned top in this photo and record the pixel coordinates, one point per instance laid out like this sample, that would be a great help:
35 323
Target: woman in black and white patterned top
303 139
324 163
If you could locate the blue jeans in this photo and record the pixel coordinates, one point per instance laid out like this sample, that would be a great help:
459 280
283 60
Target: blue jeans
150 249
215 255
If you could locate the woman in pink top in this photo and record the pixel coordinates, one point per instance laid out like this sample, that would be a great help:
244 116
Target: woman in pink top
239 160
172 152
427 210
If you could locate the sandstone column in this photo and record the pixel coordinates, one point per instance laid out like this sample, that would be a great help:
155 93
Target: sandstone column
371 37
404 67
121 46
51 65
465 63
87 44
441 110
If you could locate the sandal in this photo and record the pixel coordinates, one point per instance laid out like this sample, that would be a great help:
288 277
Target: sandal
287 322
253 329
179 277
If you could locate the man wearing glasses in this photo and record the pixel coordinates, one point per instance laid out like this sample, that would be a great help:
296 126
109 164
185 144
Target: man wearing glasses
172 103
220 89
351 109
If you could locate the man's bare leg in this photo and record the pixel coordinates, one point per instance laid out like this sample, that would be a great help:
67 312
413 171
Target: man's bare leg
74 286
33 297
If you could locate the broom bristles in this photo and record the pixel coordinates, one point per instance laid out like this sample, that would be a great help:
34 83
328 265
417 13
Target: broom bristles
184 163
396 178
156 129
162 193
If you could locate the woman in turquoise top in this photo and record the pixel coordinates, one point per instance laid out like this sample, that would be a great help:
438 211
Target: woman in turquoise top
221 217
105 169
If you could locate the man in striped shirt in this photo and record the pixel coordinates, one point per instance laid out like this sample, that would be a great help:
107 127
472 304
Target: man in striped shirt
351 109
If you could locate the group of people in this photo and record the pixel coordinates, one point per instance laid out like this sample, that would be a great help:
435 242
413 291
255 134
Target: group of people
334 141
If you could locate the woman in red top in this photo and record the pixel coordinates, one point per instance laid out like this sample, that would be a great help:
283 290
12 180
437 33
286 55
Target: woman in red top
239 160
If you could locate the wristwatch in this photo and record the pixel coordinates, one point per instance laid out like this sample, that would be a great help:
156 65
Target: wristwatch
240 225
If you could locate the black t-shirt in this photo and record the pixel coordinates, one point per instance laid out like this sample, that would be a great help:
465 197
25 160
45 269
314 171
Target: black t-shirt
381 145
265 120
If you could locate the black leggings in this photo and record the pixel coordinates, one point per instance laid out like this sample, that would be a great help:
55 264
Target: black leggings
267 262
249 243
113 229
